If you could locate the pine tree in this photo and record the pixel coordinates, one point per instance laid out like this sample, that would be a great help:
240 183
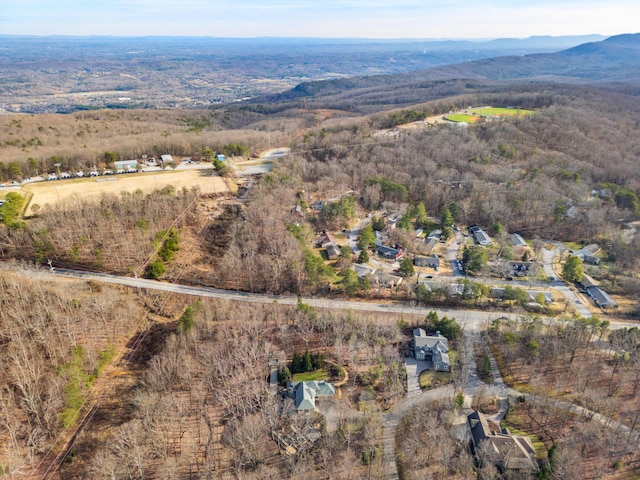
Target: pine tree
296 363
307 363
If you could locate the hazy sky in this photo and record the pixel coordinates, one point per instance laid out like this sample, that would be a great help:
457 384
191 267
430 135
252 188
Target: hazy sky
328 18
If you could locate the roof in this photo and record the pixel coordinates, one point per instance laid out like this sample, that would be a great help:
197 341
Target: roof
516 451
481 237
363 270
307 392
166 158
333 250
421 339
517 240
601 297
433 262
587 281
305 397
389 252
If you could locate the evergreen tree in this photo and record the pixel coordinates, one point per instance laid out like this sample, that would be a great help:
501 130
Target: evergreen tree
307 363
296 363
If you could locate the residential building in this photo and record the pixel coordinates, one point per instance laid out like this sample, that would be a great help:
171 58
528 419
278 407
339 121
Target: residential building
432 348
389 252
305 394
509 452
517 240
433 262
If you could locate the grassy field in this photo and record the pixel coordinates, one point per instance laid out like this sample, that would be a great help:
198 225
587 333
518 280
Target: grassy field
462 117
475 114
52 193
320 374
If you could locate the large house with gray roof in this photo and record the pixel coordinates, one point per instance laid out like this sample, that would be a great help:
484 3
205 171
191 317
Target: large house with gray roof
509 452
306 393
432 348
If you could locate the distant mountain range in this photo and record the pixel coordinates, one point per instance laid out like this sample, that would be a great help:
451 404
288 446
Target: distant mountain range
615 59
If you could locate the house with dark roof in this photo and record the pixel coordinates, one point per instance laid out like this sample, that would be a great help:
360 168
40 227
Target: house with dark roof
306 393
599 296
509 452
389 252
432 348
433 262
479 235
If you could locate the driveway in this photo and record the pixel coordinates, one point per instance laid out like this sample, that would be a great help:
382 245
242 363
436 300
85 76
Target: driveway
570 295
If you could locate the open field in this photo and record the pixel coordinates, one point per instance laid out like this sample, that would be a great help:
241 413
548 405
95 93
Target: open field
493 111
462 117
473 115
51 193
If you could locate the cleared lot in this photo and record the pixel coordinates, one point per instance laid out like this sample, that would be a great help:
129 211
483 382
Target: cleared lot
53 192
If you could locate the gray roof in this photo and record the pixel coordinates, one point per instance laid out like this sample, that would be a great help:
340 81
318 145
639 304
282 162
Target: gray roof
307 392
601 297
481 237
389 252
587 281
421 339
517 240
363 270
517 450
433 262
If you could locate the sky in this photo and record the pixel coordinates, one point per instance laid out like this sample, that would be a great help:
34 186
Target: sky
317 18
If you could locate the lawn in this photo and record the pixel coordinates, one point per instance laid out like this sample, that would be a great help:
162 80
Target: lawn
462 117
433 379
320 374
492 112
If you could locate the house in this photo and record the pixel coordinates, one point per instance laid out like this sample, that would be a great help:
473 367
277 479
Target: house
432 348
384 279
363 270
517 241
509 452
602 298
306 393
480 236
326 240
433 262
389 252
431 243
166 159
588 254
333 251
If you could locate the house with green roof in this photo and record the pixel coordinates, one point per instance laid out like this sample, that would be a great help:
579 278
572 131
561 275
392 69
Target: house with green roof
306 393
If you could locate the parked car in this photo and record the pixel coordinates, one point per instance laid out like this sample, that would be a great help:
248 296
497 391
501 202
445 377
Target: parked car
52 176
94 173
65 175
80 174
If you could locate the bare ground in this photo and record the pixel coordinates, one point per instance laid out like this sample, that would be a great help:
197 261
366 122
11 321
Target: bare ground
54 192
